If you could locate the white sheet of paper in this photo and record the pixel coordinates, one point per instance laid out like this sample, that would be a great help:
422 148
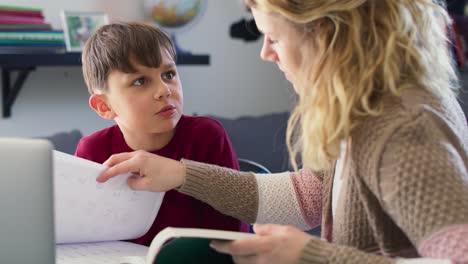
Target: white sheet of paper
88 211
101 253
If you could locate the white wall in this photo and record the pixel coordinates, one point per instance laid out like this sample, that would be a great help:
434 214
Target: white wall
236 83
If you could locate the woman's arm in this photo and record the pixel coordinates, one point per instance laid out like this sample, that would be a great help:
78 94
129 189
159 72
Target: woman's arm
423 183
283 198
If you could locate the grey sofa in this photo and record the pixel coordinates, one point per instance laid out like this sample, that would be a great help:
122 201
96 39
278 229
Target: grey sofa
65 141
260 139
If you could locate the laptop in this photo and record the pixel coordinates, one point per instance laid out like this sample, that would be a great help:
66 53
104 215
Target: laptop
26 202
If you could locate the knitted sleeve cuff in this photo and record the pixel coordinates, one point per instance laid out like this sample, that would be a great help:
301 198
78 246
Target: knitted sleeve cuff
194 172
229 191
318 251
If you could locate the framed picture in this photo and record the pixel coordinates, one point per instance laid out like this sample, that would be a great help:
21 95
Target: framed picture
79 26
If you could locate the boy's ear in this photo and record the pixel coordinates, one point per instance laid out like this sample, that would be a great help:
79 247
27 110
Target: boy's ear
98 103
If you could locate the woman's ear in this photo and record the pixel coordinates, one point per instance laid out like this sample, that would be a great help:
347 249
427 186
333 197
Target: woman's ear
99 104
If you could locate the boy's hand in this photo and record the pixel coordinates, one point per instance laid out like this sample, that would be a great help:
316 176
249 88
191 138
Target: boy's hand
152 172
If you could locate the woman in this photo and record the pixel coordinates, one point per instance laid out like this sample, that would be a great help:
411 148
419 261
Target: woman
378 124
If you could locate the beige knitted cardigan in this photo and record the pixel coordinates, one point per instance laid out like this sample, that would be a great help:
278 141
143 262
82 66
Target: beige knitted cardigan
406 194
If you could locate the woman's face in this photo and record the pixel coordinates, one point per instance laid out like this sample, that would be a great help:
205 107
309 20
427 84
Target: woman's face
281 43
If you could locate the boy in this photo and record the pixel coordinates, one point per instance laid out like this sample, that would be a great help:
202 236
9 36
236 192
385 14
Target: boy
130 72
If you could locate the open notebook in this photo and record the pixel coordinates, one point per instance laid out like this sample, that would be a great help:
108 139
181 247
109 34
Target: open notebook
171 245
91 217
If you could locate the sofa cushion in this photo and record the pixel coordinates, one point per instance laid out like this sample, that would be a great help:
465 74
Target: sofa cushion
260 139
65 141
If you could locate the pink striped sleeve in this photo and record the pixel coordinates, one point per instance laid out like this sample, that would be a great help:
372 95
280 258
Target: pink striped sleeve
450 243
308 188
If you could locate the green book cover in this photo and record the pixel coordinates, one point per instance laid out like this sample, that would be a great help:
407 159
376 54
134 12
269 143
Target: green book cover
26 41
39 35
190 250
20 8
190 245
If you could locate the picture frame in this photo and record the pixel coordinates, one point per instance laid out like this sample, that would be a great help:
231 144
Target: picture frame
78 27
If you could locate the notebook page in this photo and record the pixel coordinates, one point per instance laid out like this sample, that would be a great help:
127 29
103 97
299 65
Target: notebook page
101 253
88 211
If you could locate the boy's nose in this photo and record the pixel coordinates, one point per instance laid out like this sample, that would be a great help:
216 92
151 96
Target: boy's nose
162 92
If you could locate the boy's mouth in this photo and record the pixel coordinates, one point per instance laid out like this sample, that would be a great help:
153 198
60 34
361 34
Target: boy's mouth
166 108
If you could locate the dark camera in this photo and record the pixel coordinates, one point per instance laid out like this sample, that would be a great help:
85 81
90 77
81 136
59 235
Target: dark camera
245 29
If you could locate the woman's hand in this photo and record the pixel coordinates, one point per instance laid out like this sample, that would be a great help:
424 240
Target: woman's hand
274 244
152 172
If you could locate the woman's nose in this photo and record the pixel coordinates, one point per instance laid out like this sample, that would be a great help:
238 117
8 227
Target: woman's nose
268 53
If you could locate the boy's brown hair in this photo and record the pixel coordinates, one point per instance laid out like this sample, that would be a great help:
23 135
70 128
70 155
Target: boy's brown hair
112 46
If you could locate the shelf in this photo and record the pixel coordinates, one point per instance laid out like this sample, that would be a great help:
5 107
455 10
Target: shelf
24 60
24 63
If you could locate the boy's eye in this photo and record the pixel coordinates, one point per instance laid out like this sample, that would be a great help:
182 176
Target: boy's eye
169 75
139 82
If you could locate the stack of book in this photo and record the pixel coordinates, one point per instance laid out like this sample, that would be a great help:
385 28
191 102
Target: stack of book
23 29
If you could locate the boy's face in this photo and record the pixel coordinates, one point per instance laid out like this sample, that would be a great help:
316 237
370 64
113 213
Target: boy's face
148 101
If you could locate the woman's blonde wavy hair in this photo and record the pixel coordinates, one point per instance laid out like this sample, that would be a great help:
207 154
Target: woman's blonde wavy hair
366 48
